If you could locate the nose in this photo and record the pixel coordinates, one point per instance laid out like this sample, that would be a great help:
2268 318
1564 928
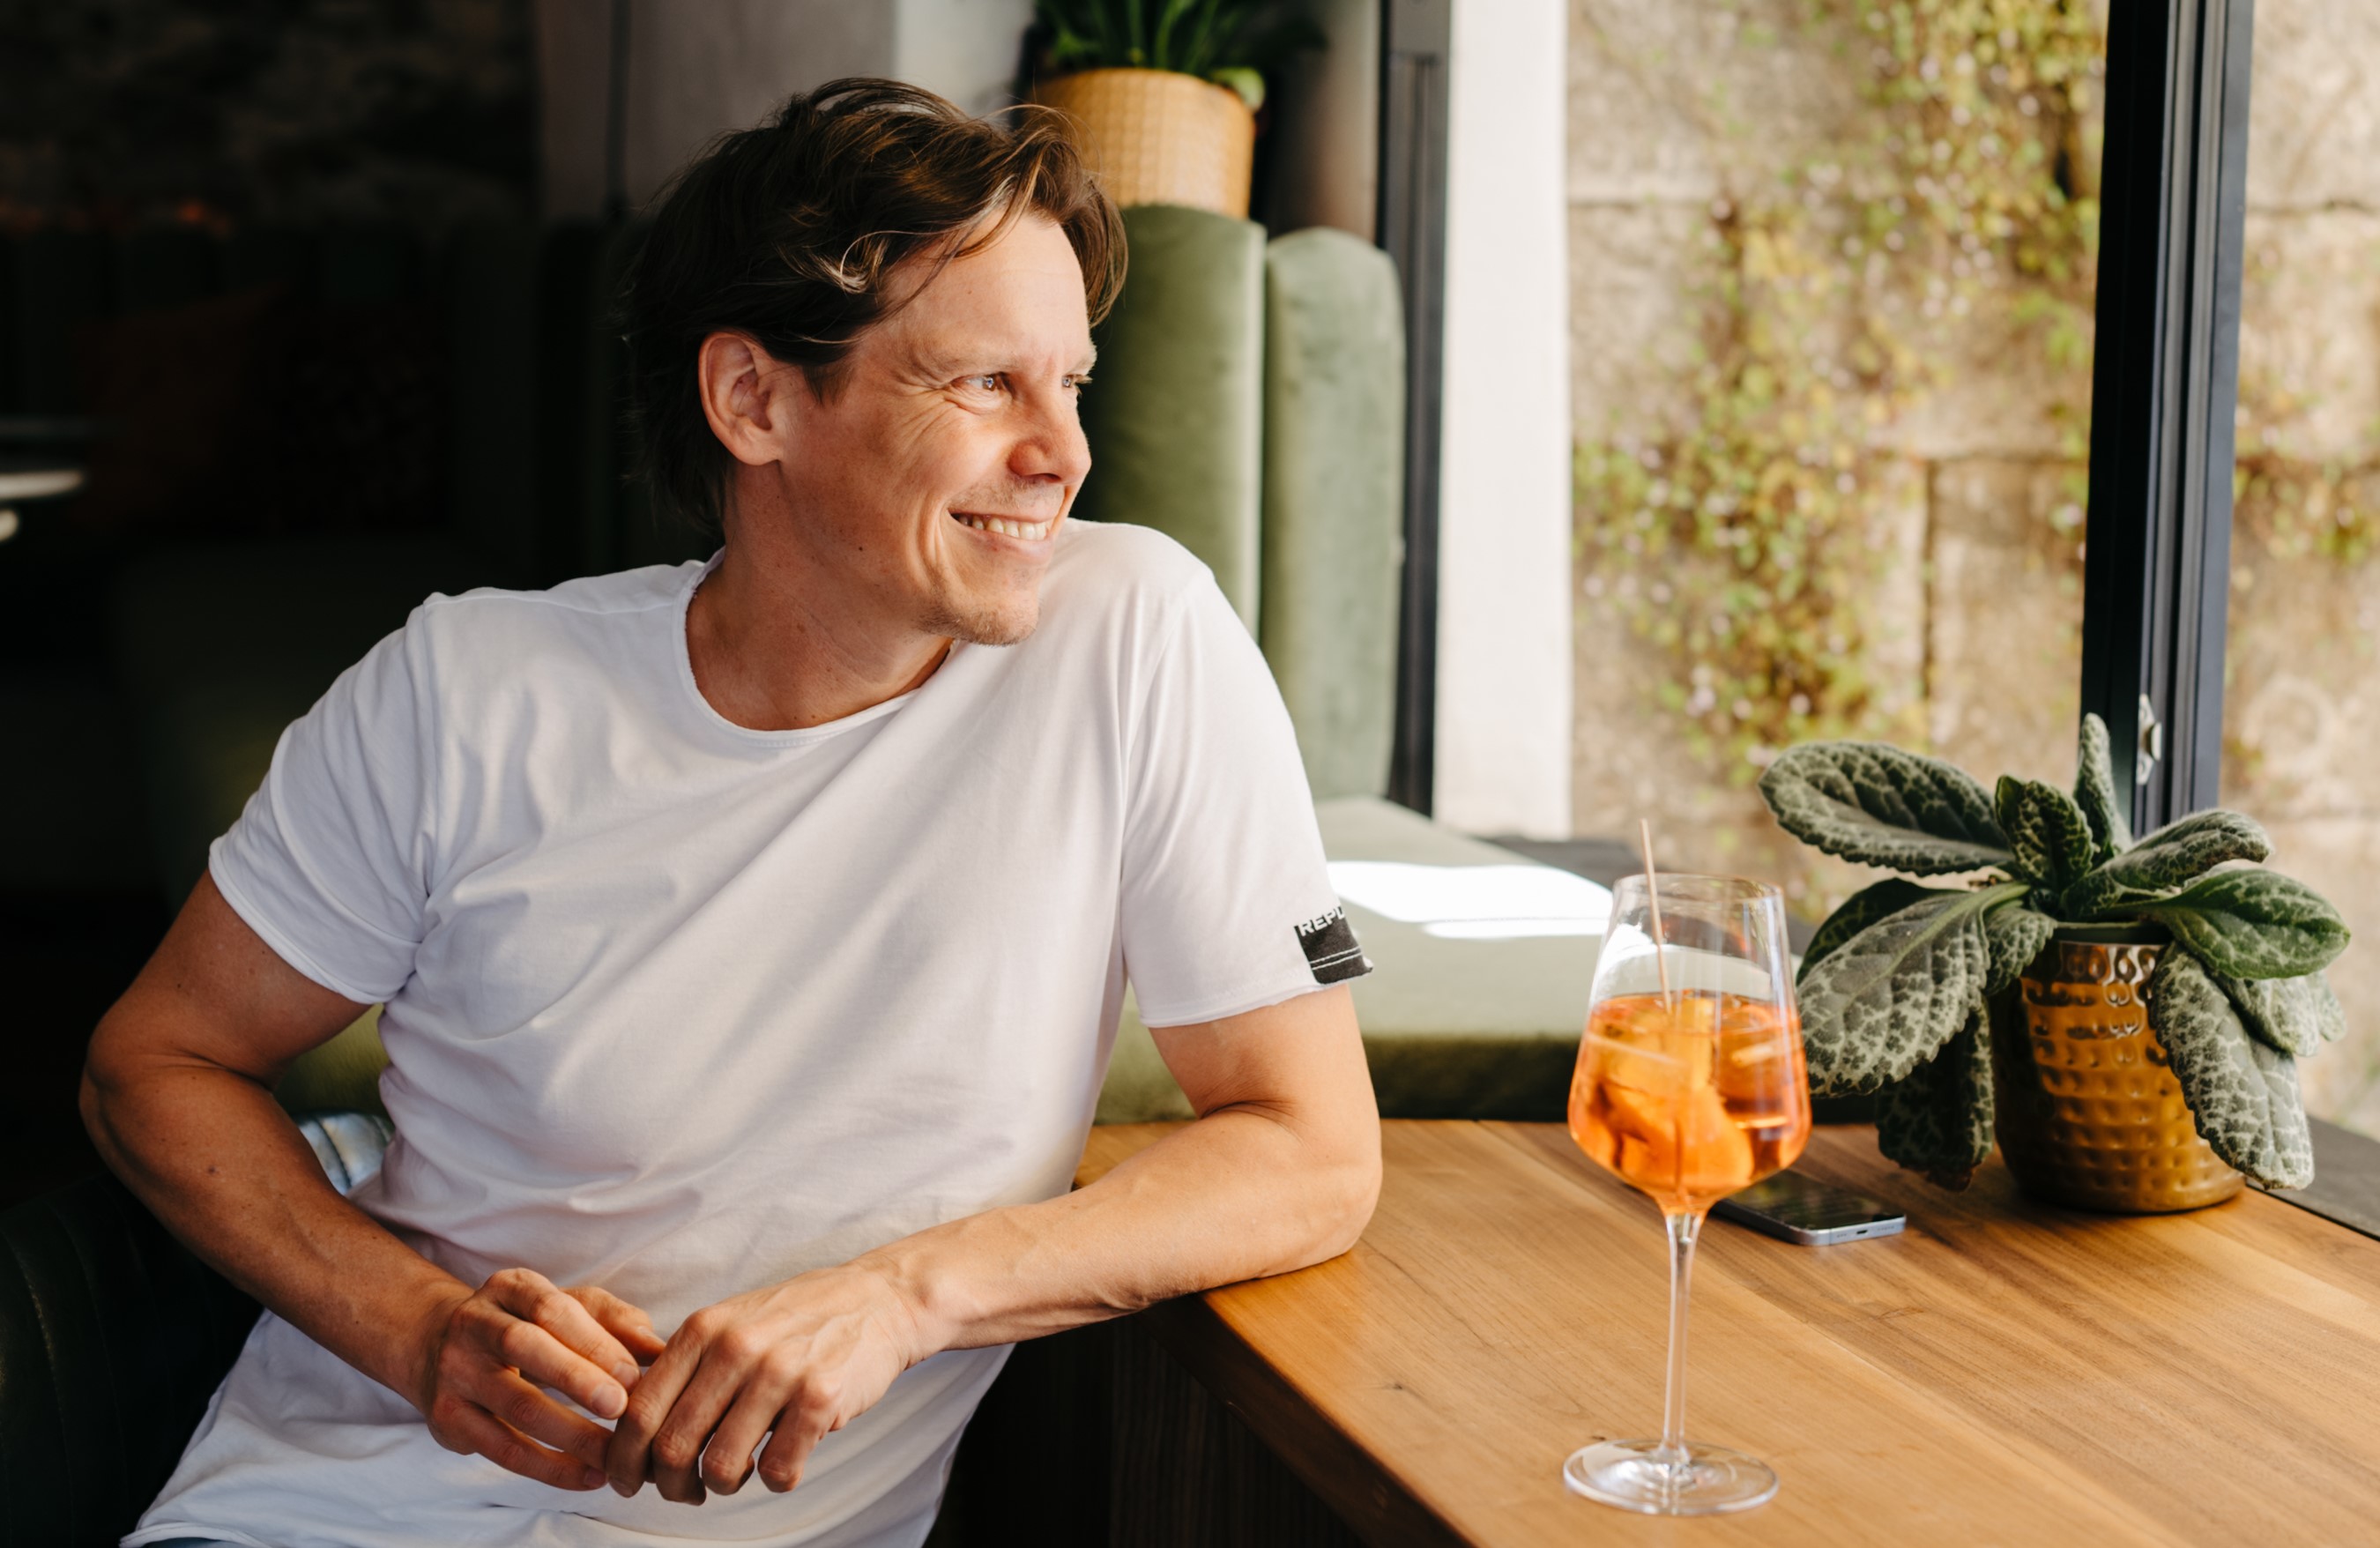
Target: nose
1052 448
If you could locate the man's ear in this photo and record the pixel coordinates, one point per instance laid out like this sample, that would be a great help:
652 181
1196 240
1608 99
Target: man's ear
753 400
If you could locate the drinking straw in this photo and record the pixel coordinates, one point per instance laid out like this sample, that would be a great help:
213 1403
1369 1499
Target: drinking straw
1653 897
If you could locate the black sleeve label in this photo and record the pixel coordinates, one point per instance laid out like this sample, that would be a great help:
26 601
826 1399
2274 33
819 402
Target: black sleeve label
1331 950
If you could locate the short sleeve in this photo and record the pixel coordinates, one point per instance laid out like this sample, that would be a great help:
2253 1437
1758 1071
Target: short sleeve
1226 902
330 861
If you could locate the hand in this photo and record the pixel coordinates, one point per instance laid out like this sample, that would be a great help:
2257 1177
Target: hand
801 1359
487 1353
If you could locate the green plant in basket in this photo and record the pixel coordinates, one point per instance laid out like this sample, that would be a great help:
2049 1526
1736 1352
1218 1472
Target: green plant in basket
1894 984
1231 42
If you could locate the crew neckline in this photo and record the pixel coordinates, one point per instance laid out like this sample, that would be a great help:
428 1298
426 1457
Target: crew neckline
683 652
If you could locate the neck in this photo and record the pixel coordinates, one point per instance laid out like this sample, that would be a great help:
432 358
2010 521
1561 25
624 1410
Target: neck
777 646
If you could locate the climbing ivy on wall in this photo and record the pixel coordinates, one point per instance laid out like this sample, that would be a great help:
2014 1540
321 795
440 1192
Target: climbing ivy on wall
1748 542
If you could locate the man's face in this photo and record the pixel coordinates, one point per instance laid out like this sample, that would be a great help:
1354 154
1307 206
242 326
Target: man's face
933 479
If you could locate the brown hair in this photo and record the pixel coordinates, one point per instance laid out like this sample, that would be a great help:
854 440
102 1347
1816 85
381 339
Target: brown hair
792 231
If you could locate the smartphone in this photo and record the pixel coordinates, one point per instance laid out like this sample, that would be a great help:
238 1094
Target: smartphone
1799 1209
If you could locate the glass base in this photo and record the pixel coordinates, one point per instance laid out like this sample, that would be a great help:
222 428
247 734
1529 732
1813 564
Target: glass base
1712 1479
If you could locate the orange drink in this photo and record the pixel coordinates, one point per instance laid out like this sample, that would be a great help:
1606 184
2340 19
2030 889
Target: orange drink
1689 1087
1690 1099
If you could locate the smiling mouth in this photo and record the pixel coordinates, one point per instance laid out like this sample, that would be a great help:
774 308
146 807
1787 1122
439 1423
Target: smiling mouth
1006 527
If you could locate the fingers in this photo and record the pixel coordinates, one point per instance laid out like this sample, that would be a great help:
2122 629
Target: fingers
752 1413
518 1406
629 1461
555 1341
730 1364
775 1398
467 1428
623 1320
685 1434
789 1451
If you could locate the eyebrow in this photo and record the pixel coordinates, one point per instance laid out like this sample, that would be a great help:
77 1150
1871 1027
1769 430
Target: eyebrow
940 366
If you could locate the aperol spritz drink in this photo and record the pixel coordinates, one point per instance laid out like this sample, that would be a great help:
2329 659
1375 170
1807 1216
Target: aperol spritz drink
1692 1101
1690 1086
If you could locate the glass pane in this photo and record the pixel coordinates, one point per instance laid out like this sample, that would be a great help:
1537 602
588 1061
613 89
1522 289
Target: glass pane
2302 714
1832 276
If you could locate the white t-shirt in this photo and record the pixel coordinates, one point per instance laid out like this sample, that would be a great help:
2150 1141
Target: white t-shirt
682 1009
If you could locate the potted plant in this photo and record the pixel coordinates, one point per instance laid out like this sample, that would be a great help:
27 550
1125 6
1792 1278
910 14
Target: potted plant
2125 1017
1162 95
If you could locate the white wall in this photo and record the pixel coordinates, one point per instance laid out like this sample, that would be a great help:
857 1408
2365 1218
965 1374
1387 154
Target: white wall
968 50
698 66
1504 523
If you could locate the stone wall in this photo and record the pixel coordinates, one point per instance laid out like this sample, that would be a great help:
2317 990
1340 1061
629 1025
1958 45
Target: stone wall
2301 723
1677 108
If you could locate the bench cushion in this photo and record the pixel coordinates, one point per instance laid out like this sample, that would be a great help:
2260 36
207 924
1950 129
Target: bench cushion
1334 411
1453 1027
1173 413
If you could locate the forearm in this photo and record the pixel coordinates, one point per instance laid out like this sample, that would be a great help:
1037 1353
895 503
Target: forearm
211 1153
1240 1194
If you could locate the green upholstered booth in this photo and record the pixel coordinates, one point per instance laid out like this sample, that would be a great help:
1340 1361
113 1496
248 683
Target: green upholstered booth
1334 411
1173 412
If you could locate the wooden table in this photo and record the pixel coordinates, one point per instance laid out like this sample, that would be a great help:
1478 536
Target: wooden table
2003 1372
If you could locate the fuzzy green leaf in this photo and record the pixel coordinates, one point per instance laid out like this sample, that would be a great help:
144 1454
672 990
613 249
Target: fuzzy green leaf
2178 853
2253 924
1888 999
2296 1016
2017 936
2095 791
1938 1119
1876 805
2243 1094
2047 832
1863 908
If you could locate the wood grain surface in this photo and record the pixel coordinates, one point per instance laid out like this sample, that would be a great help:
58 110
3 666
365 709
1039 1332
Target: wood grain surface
2002 1373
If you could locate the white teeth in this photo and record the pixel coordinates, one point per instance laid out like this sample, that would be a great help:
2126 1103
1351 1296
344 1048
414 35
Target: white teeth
1029 532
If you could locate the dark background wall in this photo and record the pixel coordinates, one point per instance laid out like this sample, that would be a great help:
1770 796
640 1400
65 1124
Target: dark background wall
120 113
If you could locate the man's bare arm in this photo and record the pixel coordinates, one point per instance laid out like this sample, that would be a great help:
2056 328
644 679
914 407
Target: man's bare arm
1280 1171
177 1093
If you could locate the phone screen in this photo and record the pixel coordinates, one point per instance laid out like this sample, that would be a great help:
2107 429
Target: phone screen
1803 1210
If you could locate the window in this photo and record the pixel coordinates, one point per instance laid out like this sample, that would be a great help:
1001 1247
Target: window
2301 748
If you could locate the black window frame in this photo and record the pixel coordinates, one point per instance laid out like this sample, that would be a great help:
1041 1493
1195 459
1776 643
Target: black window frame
1415 38
2164 393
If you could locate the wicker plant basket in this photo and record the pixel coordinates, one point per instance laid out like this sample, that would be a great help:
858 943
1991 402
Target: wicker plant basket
1159 137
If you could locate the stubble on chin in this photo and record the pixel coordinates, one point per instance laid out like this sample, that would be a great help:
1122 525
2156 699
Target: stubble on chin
978 623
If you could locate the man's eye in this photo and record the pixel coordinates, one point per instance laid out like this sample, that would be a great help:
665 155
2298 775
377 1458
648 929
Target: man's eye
988 382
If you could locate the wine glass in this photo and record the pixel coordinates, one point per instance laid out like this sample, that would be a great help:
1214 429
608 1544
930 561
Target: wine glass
1690 1086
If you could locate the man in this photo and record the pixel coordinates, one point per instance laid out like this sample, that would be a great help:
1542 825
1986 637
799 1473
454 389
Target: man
752 933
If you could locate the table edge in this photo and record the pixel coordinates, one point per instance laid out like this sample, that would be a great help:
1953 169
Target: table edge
1360 1490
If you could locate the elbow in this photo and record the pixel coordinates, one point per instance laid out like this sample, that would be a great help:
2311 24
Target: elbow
1350 1191
1356 1214
100 1080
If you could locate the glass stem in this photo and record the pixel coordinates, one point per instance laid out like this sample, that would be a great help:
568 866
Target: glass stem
1684 1228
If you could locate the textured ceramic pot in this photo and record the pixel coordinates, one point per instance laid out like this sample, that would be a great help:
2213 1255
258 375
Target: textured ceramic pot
1157 137
2087 1110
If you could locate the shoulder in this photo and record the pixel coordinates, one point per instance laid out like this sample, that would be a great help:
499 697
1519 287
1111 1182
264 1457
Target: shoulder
471 624
493 646
573 604
1104 568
